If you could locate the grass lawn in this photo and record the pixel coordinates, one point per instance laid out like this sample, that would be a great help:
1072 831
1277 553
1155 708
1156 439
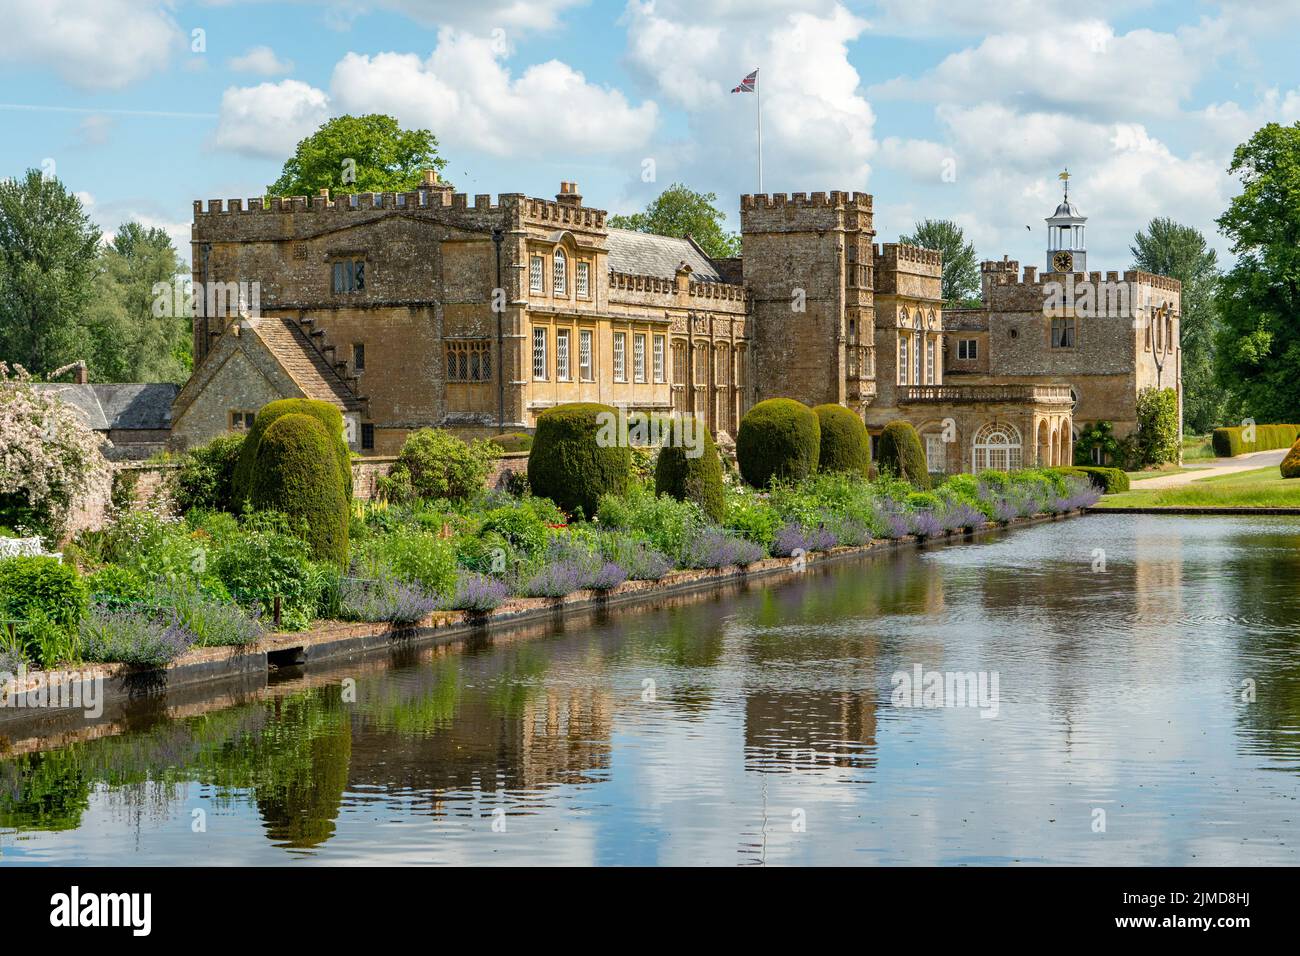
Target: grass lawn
1257 488
1197 446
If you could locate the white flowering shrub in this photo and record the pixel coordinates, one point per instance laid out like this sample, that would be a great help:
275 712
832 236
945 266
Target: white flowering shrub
49 457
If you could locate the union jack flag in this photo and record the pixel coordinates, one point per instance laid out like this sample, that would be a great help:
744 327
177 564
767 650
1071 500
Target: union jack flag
747 84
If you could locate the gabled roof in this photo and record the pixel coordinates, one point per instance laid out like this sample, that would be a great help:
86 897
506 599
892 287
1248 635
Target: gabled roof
304 363
129 405
645 254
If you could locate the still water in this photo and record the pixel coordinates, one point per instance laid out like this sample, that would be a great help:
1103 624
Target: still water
759 726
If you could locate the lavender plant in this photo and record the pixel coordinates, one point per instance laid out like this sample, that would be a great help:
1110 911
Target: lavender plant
715 548
140 637
478 592
385 599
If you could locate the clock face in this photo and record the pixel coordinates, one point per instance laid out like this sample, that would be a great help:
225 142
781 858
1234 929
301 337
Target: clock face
1063 262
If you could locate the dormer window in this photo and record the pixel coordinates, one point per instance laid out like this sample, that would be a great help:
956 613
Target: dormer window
559 273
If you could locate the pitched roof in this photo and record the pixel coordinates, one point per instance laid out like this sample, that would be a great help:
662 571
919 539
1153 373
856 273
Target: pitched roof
645 254
128 405
304 363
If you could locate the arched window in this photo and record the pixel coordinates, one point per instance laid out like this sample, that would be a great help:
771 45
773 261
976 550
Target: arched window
560 273
997 446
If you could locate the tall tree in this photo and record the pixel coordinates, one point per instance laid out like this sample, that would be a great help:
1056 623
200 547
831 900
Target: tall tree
1259 297
682 212
961 273
48 251
1168 248
358 154
136 333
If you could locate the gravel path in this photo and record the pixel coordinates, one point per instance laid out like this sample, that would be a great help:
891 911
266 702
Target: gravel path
1205 468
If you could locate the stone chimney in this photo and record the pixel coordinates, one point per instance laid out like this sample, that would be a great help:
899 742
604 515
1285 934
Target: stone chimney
569 194
81 374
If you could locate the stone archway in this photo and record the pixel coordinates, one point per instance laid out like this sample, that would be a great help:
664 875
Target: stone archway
1044 444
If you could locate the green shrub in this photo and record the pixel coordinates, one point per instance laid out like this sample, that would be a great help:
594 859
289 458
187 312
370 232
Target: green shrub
1290 466
40 587
902 455
778 440
330 418
296 475
578 455
523 526
512 442
1108 481
264 561
696 478
1157 418
205 479
1230 442
845 444
414 556
436 464
117 586
751 516
666 523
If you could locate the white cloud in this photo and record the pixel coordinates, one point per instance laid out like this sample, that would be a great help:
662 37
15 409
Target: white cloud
262 61
483 14
91 44
110 216
817 126
468 97
269 119
1080 64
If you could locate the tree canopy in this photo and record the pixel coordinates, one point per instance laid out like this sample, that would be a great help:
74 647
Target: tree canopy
1168 248
961 273
48 253
681 212
357 154
1259 297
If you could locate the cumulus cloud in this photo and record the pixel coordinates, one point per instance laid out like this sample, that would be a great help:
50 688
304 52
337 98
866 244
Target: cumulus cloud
818 129
483 14
262 61
91 44
466 94
269 119
1076 65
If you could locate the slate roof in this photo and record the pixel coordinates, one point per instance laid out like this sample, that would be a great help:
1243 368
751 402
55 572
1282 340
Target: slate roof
130 405
645 254
304 363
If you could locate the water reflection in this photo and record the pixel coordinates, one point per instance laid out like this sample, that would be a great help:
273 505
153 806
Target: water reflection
694 732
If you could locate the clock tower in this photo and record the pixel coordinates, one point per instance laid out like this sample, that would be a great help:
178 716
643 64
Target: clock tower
1066 251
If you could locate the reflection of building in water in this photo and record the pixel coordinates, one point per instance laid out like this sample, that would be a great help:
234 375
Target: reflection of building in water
1158 575
806 730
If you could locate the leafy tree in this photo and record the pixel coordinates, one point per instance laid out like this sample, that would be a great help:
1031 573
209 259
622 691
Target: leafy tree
1258 346
1157 417
961 272
369 153
682 212
135 334
1170 249
48 253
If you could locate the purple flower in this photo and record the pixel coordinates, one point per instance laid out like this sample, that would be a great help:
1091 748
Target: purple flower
925 524
960 516
385 599
478 592
1004 509
141 637
556 579
893 523
851 532
789 539
714 548
609 576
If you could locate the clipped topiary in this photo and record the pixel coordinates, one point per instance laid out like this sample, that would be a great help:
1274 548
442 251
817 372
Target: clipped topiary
902 455
295 472
778 439
206 476
1291 463
324 412
845 444
689 468
579 453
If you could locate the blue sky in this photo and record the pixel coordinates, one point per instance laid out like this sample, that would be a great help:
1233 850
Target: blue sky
1143 101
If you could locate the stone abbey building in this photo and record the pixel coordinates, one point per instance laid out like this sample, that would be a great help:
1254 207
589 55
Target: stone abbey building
429 309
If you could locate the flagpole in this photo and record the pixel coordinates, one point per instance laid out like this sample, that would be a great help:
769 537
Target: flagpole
758 102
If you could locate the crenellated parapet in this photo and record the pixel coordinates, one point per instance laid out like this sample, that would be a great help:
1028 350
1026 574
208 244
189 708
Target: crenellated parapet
900 257
822 200
666 292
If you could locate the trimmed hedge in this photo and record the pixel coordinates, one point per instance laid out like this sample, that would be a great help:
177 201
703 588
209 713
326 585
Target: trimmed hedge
515 441
35 586
206 476
1290 466
575 458
845 444
697 479
1108 481
1228 442
778 439
901 453
295 473
324 412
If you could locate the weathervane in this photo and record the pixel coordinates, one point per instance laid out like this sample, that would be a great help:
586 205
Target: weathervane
1065 178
